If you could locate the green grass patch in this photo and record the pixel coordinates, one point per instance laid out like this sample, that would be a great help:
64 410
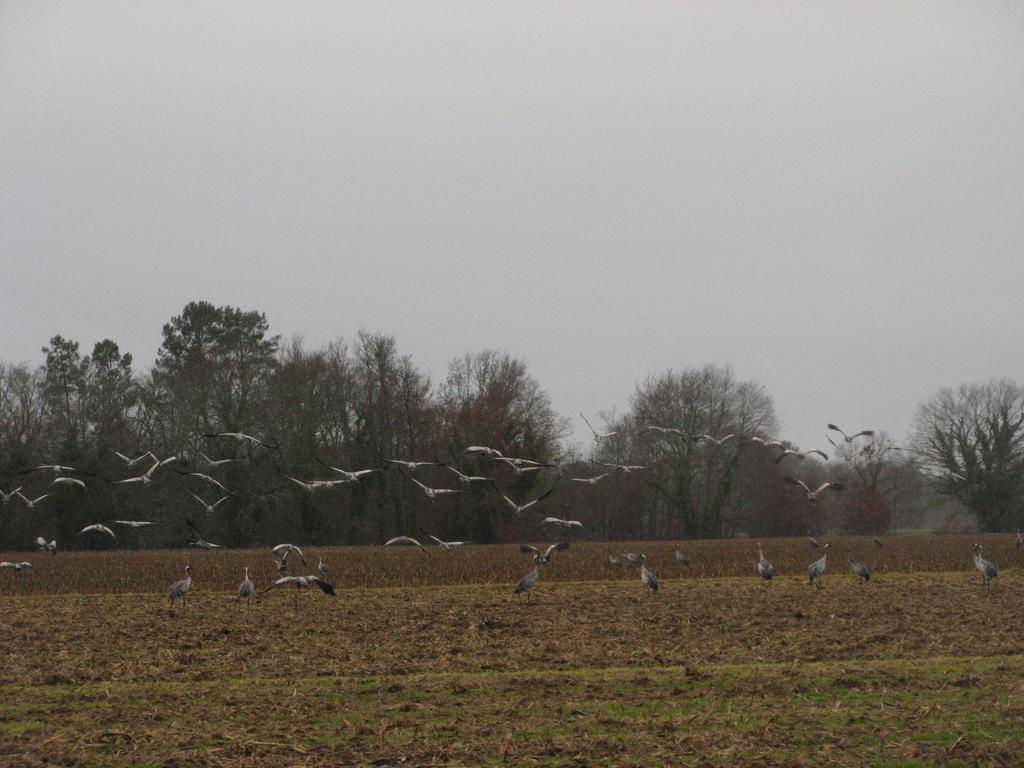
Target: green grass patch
850 712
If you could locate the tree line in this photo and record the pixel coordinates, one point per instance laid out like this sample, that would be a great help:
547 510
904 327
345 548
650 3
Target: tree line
357 403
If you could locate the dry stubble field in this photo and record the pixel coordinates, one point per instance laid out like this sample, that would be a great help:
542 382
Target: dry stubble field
918 668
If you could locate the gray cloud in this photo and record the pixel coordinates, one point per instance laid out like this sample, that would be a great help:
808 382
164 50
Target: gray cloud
827 195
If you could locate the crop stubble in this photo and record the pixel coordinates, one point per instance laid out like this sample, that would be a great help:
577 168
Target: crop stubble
715 670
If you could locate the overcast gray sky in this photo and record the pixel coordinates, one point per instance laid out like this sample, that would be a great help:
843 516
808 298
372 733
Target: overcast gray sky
828 196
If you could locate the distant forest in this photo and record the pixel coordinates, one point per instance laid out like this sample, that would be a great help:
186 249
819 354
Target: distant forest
357 404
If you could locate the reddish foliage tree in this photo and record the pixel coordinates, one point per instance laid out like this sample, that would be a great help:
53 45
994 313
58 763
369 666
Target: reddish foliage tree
866 512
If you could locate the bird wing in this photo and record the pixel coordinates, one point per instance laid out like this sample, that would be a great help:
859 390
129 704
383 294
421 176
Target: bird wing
208 479
820 453
219 502
589 425
327 589
554 547
402 540
280 583
837 429
288 549
528 548
543 496
511 503
794 481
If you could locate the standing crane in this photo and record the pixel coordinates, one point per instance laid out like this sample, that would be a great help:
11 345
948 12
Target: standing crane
649 579
180 588
681 558
526 583
817 568
764 569
860 569
540 559
634 559
987 570
246 588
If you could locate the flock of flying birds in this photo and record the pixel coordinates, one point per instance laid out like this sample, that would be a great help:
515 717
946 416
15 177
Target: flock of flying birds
280 554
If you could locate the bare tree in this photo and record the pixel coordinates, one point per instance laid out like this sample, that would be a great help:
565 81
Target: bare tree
694 478
971 439
490 399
